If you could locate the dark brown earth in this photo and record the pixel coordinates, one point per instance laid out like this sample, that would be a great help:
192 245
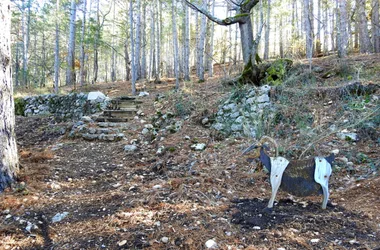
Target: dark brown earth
120 200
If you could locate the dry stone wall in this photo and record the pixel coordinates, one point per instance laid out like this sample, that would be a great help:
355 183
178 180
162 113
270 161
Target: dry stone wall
65 107
242 113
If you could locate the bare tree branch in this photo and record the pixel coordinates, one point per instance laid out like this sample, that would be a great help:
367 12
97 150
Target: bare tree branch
241 18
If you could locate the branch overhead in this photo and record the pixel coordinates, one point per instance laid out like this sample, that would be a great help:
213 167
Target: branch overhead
242 13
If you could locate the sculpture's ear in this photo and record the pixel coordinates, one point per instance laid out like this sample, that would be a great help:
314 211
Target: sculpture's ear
250 148
265 159
330 159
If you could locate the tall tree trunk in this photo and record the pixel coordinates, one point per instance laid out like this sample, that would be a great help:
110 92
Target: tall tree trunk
267 32
113 55
318 45
143 47
133 63
126 61
201 45
325 30
152 60
17 65
375 26
159 37
25 19
96 45
365 42
342 29
211 50
82 52
186 39
332 33
8 150
281 39
138 40
56 51
70 71
175 41
308 31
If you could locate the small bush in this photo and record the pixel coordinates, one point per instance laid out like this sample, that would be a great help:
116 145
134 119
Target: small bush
19 106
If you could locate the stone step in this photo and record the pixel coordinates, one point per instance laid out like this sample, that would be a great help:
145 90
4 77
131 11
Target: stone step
111 119
103 137
126 113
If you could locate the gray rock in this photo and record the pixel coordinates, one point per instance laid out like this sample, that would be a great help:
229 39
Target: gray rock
59 216
86 119
236 127
198 146
145 131
205 120
96 96
130 148
347 136
218 126
235 115
90 137
251 100
262 98
92 130
264 89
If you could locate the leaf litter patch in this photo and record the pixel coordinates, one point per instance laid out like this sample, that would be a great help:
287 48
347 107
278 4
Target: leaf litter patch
336 224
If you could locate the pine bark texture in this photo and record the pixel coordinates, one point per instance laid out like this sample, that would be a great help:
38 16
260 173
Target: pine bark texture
201 45
342 29
186 49
364 39
175 41
8 148
133 63
308 30
267 32
375 25
82 52
56 52
70 71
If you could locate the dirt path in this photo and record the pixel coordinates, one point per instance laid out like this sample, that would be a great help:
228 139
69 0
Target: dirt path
179 199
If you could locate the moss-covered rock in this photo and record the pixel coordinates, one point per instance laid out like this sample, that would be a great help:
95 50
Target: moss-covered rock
20 105
276 72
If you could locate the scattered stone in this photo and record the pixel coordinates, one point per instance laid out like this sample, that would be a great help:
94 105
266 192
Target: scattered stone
198 146
211 244
30 226
165 239
130 148
342 159
90 137
205 121
59 216
122 243
116 185
160 150
346 136
96 96
86 119
54 186
335 151
155 187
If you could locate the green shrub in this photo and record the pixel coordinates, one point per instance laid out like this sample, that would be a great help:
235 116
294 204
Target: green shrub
19 106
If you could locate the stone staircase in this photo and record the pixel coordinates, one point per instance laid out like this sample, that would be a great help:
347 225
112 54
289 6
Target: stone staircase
121 109
111 124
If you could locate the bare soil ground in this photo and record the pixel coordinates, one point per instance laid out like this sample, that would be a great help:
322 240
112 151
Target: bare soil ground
179 199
